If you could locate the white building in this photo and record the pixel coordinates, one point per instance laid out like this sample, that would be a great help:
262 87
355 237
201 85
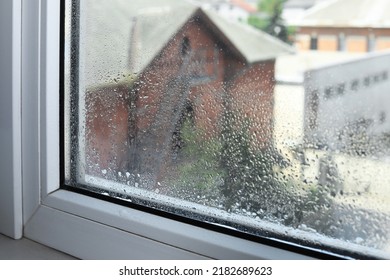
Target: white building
332 123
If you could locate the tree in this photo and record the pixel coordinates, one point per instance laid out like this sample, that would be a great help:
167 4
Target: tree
270 19
249 180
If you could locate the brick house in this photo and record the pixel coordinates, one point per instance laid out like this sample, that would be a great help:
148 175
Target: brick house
345 25
192 64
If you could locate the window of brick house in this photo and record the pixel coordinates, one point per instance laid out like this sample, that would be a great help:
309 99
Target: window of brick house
185 46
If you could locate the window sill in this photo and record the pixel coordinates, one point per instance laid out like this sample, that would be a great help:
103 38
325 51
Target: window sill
25 249
83 226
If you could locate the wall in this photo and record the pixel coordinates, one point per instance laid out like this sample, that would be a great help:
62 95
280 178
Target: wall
361 94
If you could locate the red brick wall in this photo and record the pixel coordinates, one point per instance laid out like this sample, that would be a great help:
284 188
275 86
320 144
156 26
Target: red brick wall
252 94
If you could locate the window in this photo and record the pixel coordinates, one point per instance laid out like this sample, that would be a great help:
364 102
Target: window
185 46
143 131
340 89
314 42
329 92
367 81
341 42
76 223
355 85
371 42
92 182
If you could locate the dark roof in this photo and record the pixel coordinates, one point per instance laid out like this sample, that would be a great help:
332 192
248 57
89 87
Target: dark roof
110 26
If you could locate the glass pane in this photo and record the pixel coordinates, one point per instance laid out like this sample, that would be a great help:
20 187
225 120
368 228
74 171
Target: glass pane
191 107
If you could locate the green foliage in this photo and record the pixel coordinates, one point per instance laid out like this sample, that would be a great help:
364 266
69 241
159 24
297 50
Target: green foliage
199 159
270 19
271 6
258 22
249 179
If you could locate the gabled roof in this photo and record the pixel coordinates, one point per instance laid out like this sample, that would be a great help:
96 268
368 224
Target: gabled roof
112 55
253 44
152 30
349 13
244 5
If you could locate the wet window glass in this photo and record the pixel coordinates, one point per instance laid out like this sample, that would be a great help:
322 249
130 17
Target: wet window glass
239 113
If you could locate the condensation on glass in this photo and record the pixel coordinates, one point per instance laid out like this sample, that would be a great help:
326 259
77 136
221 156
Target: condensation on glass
172 104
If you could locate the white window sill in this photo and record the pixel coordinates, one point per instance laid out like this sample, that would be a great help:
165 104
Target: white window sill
25 249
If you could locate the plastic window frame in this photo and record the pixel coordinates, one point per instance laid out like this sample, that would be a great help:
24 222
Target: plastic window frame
11 212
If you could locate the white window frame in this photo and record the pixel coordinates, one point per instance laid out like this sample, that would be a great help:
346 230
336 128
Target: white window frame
10 120
83 226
